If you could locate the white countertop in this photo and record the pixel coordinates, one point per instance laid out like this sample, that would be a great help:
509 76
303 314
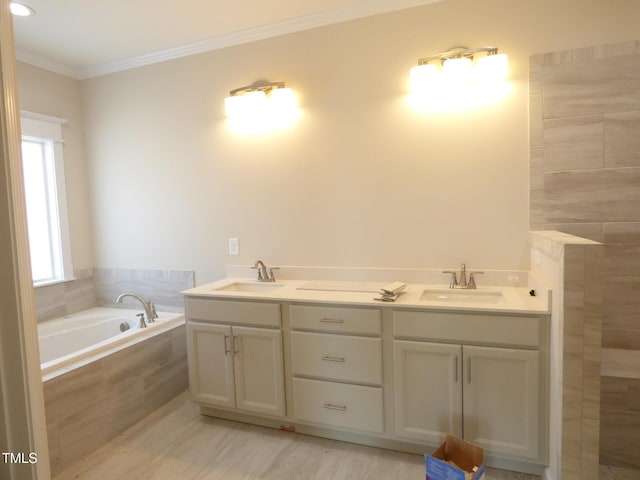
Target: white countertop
513 300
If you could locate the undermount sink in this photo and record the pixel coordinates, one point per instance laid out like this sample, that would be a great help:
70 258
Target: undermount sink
461 296
250 287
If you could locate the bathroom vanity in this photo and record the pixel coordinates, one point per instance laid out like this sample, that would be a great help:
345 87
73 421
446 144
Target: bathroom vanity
324 358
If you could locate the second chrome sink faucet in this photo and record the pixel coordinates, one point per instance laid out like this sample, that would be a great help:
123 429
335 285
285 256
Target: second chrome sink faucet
263 276
463 278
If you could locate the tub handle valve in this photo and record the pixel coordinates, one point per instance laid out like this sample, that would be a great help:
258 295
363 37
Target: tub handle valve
154 313
143 324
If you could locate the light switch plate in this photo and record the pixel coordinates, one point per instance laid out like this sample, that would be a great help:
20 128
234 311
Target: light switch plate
234 246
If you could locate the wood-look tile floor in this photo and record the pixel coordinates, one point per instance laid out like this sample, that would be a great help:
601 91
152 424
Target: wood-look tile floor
177 443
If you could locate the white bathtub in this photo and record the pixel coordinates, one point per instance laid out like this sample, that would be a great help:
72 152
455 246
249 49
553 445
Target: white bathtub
74 340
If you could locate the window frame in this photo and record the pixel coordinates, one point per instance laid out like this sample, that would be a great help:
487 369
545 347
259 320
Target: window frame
39 127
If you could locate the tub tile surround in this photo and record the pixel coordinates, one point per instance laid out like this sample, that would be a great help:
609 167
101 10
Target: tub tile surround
65 298
585 180
572 267
89 406
163 287
101 286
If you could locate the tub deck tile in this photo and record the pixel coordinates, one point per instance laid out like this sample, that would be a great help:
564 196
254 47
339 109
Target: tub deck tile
89 406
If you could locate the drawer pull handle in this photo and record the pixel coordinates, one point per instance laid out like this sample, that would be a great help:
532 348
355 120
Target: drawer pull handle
331 320
226 348
330 406
333 359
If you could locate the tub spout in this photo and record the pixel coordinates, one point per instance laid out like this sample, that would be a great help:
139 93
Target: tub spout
149 309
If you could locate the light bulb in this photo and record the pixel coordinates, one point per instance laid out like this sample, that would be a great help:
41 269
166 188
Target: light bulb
21 10
234 105
457 70
493 67
256 102
424 77
282 99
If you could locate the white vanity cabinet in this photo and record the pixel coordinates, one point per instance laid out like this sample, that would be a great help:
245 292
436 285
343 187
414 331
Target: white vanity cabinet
490 395
336 357
235 355
399 375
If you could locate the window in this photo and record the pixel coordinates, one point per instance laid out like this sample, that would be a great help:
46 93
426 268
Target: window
45 197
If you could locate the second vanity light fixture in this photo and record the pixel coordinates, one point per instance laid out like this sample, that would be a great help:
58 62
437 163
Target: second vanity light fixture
459 66
260 98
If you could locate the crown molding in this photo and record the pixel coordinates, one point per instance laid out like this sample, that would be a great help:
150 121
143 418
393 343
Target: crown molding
305 22
55 67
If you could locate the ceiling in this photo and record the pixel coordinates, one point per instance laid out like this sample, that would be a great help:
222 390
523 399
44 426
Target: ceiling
83 39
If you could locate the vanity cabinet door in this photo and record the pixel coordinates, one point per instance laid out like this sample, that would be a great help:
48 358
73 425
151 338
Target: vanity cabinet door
428 390
210 358
259 370
502 401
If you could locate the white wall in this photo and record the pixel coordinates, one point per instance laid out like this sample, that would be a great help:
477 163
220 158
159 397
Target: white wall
361 179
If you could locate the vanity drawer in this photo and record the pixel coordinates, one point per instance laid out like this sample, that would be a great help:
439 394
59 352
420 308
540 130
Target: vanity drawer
365 321
228 311
337 357
338 404
510 330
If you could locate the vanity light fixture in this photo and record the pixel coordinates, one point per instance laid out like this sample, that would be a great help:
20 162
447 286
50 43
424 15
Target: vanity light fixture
260 98
459 66
262 107
21 10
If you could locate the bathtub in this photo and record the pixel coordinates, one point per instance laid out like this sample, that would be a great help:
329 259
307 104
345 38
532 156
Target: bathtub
99 381
74 340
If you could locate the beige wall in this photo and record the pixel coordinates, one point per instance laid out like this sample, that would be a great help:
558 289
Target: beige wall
41 91
360 180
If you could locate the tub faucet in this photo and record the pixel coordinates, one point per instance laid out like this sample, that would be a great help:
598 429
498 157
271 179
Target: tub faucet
149 309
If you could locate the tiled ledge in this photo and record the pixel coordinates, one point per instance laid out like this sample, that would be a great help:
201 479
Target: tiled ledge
552 243
572 267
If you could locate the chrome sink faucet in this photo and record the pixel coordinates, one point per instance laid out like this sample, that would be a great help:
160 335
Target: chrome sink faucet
471 284
149 308
263 276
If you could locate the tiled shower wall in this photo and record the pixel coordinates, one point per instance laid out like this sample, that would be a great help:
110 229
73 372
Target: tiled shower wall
101 286
585 180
